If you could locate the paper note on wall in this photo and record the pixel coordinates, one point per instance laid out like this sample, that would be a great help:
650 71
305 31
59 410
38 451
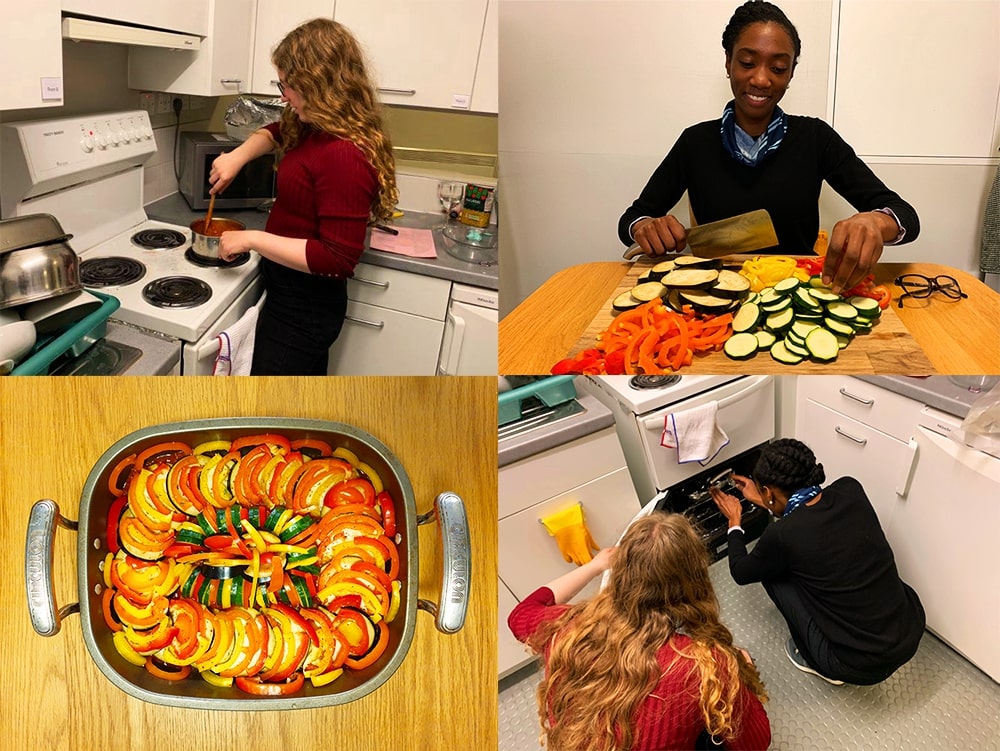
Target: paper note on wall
416 243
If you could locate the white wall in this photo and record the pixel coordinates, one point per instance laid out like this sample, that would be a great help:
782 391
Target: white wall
593 93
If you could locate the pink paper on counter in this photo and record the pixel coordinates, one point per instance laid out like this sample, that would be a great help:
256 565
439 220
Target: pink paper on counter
416 243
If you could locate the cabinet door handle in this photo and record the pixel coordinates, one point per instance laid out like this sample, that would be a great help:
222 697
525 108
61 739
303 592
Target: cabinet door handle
849 395
400 92
370 282
231 80
860 441
365 322
903 484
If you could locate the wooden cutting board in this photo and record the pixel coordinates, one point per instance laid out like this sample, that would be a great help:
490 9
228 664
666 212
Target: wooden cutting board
887 348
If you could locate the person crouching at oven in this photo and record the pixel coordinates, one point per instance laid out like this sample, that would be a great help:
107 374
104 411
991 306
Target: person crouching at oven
827 566
646 664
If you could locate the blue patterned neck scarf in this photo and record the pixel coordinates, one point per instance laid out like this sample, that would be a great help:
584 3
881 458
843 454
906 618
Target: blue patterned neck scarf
744 148
800 497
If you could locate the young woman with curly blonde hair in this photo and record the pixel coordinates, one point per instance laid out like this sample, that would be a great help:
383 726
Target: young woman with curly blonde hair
646 664
336 174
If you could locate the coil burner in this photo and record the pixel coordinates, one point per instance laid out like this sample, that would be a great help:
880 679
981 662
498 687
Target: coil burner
176 292
204 262
159 239
653 381
110 270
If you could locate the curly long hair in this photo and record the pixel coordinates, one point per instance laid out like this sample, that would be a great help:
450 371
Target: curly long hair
325 65
602 655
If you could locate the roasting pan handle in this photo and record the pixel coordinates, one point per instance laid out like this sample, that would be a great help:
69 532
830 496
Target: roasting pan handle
38 547
453 532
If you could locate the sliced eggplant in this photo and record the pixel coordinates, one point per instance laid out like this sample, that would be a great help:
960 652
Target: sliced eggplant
660 270
648 291
624 302
690 278
706 300
693 262
731 284
674 301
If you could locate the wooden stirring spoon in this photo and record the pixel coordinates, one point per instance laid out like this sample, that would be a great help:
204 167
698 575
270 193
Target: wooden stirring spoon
208 216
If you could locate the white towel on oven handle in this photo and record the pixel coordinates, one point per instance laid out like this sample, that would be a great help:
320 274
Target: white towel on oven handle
236 344
648 509
695 433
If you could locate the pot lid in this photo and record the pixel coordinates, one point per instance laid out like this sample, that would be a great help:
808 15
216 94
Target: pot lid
30 231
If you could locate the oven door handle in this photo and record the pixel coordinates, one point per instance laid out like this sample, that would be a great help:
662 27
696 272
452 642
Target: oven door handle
754 383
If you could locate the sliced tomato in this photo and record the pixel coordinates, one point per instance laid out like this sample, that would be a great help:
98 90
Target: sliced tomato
258 687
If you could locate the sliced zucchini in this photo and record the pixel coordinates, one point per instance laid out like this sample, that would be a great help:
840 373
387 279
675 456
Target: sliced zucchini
809 317
624 302
816 280
842 341
838 327
795 348
780 353
693 262
773 306
786 286
768 295
690 278
660 270
792 338
765 339
747 317
804 300
731 284
822 344
741 346
824 295
753 297
780 322
865 306
648 291
802 328
842 311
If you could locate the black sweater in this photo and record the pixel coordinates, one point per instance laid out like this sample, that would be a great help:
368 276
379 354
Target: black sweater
787 183
837 555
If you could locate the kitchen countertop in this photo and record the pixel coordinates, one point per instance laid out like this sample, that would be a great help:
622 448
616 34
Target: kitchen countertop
594 417
934 391
956 337
442 695
174 210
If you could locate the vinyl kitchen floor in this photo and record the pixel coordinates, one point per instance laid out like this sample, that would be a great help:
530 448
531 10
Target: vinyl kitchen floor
936 702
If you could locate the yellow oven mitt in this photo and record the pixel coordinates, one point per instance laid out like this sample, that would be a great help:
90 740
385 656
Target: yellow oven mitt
572 535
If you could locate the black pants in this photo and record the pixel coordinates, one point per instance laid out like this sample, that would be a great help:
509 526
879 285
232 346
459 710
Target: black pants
813 644
300 319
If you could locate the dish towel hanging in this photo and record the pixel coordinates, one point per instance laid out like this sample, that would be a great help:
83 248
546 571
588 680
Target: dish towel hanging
695 433
648 509
989 254
236 344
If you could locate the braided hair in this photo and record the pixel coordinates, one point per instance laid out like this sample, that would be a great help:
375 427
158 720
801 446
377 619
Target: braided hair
789 465
758 11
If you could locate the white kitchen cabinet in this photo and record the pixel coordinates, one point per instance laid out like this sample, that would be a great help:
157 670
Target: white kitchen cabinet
424 53
486 89
510 652
883 109
274 19
394 325
188 16
220 67
31 56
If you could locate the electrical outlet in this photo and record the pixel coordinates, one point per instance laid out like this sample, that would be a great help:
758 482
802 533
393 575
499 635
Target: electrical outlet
163 103
147 102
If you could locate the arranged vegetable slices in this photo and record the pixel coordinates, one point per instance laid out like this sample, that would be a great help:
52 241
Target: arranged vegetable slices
259 563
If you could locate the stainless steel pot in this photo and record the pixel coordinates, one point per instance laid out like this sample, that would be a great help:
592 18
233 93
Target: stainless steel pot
95 500
36 261
207 245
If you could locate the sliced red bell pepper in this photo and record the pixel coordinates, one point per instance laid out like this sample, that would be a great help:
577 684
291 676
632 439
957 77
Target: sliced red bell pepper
257 687
114 517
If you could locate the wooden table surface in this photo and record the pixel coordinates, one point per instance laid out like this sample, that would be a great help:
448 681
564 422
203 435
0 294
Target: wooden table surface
53 431
955 337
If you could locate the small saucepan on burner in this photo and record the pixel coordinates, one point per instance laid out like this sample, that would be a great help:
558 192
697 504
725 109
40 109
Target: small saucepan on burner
205 240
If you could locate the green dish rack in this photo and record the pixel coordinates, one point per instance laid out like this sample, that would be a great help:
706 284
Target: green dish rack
51 347
551 391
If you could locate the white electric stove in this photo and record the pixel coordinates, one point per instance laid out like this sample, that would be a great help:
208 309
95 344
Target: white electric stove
86 171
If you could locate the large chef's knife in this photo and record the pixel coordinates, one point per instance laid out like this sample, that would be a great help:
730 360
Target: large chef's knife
744 233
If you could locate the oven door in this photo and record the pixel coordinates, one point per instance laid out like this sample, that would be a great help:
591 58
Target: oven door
746 414
199 357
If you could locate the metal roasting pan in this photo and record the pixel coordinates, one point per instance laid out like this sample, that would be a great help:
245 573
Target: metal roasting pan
448 511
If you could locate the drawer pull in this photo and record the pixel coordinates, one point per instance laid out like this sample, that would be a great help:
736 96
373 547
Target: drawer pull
370 282
401 92
364 322
860 441
849 395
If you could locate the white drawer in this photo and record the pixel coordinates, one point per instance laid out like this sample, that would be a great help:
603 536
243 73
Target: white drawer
511 654
541 476
379 341
400 290
875 406
530 557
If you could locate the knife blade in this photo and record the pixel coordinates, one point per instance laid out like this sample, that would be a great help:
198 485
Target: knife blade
743 233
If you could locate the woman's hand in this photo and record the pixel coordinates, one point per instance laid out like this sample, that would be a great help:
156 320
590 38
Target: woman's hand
660 235
855 247
225 168
729 505
236 243
749 489
602 561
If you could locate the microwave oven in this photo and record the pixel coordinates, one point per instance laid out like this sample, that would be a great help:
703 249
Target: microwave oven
253 186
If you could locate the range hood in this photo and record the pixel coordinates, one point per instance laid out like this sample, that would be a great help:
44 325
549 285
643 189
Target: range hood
89 30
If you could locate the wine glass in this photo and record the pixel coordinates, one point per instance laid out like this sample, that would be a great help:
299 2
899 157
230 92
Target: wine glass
448 193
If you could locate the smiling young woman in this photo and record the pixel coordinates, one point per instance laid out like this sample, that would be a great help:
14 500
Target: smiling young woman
757 157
